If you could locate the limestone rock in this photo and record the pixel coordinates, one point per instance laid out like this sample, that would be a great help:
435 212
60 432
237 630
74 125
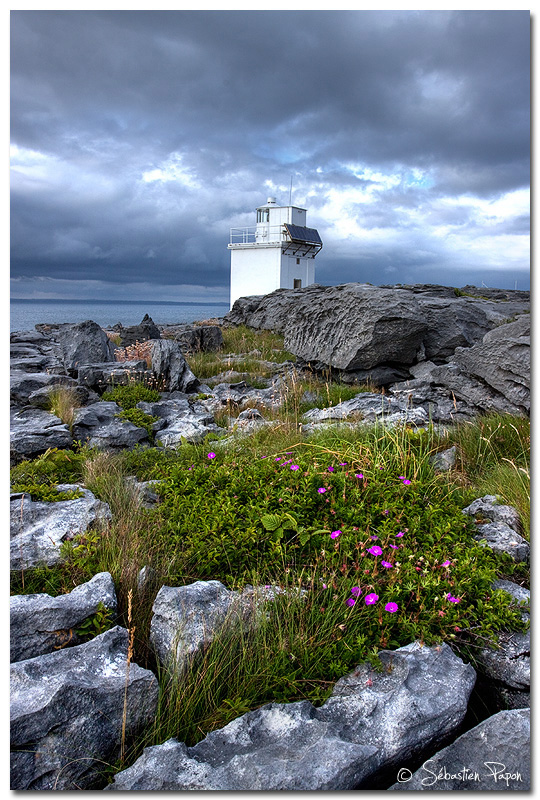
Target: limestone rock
170 368
101 377
41 624
101 426
137 333
196 338
373 720
488 507
509 664
38 529
493 756
23 384
186 618
33 432
84 343
444 460
67 709
179 420
503 539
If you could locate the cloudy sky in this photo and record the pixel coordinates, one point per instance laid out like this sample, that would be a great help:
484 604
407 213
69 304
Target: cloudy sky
138 139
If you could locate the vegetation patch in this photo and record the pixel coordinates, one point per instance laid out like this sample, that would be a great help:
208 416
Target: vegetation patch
140 419
132 393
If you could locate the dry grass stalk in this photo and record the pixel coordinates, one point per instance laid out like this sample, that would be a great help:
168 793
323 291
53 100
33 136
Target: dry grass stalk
129 657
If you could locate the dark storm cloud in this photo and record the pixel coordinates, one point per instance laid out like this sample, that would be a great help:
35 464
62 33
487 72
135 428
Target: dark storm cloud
141 137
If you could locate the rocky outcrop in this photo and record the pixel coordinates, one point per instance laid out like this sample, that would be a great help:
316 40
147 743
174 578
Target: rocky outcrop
38 529
187 618
24 384
67 711
372 720
83 343
358 326
196 338
493 756
99 425
41 624
507 666
137 333
33 432
500 533
170 368
101 377
180 420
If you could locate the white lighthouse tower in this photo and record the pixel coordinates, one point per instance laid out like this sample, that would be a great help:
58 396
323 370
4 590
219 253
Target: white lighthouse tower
276 253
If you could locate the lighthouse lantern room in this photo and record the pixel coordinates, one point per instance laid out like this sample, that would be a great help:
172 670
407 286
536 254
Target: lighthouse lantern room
276 253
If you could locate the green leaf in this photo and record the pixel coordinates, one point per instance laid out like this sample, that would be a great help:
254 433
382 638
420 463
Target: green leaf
270 521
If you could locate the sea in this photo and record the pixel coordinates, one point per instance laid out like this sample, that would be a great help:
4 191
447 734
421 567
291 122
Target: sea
24 314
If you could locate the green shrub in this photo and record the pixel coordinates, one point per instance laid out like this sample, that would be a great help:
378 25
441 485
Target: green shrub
40 477
132 393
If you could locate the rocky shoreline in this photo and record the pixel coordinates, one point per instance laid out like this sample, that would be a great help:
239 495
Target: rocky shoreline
438 357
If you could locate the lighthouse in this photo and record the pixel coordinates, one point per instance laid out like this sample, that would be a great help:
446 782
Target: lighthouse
276 253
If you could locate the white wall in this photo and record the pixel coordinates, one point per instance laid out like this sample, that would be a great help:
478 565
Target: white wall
291 270
254 271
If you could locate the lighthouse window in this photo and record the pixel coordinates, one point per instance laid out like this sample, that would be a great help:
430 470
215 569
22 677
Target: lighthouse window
297 260
297 283
263 215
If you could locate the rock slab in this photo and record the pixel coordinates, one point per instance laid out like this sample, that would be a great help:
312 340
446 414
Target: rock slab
38 529
493 756
67 709
41 624
373 719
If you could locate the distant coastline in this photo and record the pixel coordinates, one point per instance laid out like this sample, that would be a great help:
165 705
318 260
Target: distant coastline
25 314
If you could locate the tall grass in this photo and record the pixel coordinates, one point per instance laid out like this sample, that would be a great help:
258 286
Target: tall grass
493 457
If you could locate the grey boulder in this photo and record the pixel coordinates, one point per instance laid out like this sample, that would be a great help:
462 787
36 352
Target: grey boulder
489 508
196 338
508 665
137 333
493 756
185 619
41 624
103 376
23 384
33 431
503 539
38 529
83 343
100 425
67 710
180 420
170 368
373 720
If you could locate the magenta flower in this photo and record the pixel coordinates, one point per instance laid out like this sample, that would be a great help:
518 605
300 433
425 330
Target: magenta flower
359 475
386 512
351 601
394 546
330 469
322 490
334 534
371 599
445 564
391 607
264 456
356 591
374 538
375 550
399 533
452 599
294 466
343 464
406 482
289 454
211 455
401 477
387 564
279 458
